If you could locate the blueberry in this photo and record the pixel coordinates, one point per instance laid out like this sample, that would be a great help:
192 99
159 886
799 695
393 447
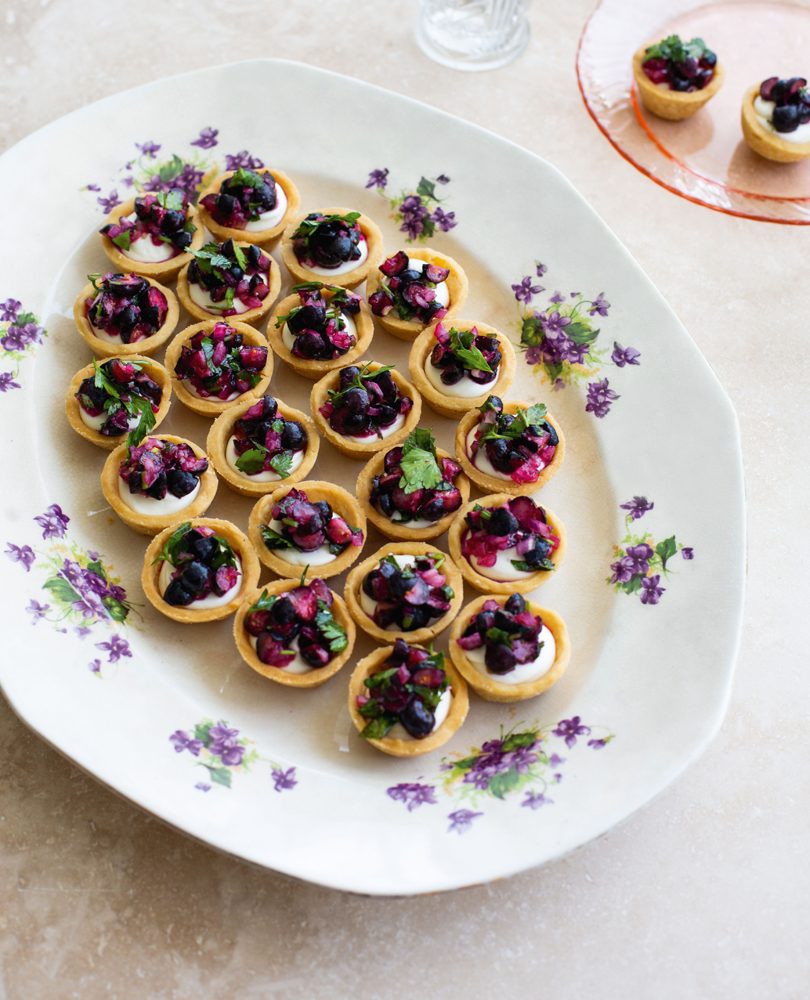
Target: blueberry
386 415
180 483
127 318
499 658
311 345
348 375
307 317
535 557
195 577
505 622
177 595
498 453
330 244
254 255
786 118
409 274
172 222
680 84
356 400
283 611
203 548
415 617
452 374
553 438
386 383
324 510
356 423
385 504
293 437
417 719
502 522
159 487
226 205
515 604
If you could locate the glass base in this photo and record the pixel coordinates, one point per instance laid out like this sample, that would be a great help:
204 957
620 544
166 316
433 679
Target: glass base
464 49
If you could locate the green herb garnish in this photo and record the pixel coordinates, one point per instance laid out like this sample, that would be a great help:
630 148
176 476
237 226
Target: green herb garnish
462 344
419 465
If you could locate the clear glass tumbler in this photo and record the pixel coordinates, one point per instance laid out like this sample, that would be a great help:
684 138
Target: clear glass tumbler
473 34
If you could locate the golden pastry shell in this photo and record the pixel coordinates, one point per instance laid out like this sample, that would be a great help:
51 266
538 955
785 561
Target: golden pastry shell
349 279
148 345
211 406
241 547
672 104
165 269
73 410
762 140
314 678
252 315
484 583
259 236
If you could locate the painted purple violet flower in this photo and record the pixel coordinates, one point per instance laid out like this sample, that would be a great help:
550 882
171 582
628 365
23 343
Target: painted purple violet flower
378 178
22 554
233 161
442 179
203 786
444 220
283 780
525 290
622 356
9 310
540 269
94 666
637 507
207 138
640 556
599 305
148 148
534 800
413 795
688 553
557 298
37 611
53 522
109 203
82 631
650 591
115 648
181 741
92 187
623 570
223 744
461 820
555 324
600 397
570 729
599 744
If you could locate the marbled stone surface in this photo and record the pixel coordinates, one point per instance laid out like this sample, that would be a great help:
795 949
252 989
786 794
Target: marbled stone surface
705 892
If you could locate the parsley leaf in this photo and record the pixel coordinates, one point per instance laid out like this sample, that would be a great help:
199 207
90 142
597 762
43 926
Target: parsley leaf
524 567
420 468
146 419
123 240
211 257
274 539
102 381
239 257
462 344
172 200
377 729
252 461
499 636
172 543
331 630
264 603
282 463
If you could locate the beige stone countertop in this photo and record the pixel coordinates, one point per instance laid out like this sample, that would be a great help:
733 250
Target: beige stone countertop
703 894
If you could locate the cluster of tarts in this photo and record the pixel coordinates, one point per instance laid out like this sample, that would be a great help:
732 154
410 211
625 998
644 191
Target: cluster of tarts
406 697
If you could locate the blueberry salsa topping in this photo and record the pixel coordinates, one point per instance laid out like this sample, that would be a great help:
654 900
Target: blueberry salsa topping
519 524
243 197
519 445
162 217
318 325
218 363
462 354
122 391
409 597
791 102
366 402
203 562
306 526
302 618
409 290
415 484
406 689
125 306
265 441
684 66
328 240
230 273
509 635
156 468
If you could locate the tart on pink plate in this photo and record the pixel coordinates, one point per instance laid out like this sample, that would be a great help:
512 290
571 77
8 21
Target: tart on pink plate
109 399
509 649
251 205
406 700
121 314
320 327
152 233
509 447
229 279
776 119
335 245
296 633
413 490
675 78
415 288
505 544
215 363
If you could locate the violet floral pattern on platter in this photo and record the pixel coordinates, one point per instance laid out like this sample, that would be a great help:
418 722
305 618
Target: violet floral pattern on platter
152 169
419 214
523 763
20 335
640 562
560 340
79 591
223 752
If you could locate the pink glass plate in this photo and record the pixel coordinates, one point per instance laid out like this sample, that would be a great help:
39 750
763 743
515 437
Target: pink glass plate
704 158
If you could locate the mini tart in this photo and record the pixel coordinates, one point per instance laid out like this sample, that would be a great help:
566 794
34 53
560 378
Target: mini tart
342 503
457 287
762 140
487 686
316 368
146 524
401 530
459 707
362 449
188 615
672 104
349 279
222 430
251 315
105 348
354 584
155 371
210 406
485 583
259 236
456 406
494 484
166 269
316 676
